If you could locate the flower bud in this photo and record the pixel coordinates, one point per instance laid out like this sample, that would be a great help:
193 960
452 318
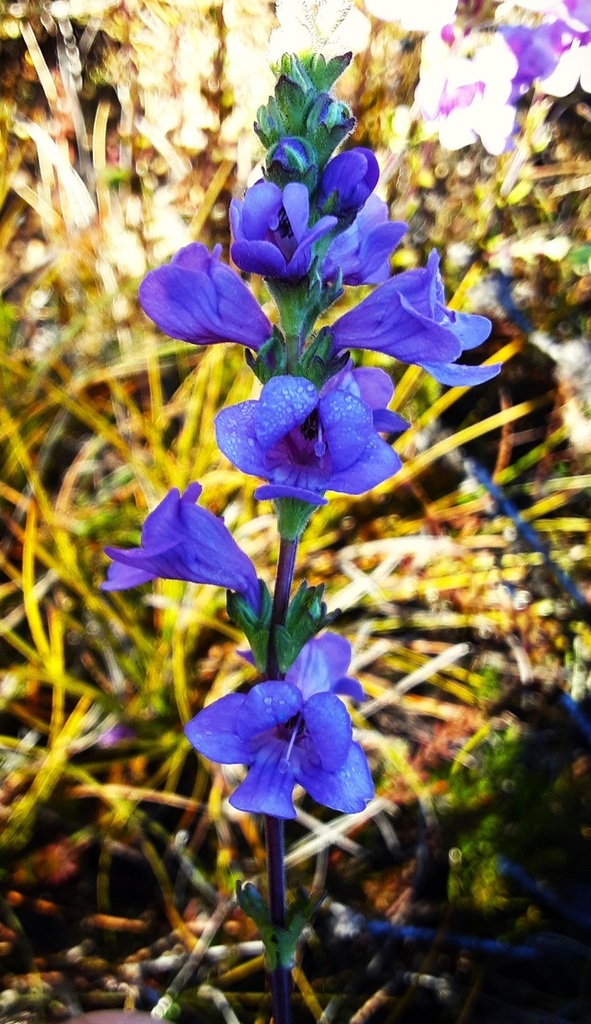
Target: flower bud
292 159
328 123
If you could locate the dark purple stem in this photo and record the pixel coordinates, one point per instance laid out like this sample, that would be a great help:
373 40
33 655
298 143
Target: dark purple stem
285 568
279 977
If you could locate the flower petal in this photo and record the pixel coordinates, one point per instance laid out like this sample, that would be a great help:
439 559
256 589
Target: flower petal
182 304
459 376
213 731
348 424
285 403
261 202
375 386
123 577
386 422
320 664
329 729
386 321
236 437
350 687
296 203
259 257
268 787
348 789
349 178
160 526
270 492
362 252
471 330
377 462
266 705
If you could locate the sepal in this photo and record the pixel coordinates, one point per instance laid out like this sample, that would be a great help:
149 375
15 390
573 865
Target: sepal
270 125
324 73
253 904
280 943
301 304
271 358
319 362
255 628
292 159
293 515
302 105
285 111
291 67
328 123
306 616
293 99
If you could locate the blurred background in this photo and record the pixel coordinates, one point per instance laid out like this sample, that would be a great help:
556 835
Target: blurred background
464 892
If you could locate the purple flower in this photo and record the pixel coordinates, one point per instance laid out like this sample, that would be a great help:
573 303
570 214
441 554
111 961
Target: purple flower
537 50
348 181
468 98
362 252
307 442
181 541
271 233
567 48
407 318
197 298
292 731
576 12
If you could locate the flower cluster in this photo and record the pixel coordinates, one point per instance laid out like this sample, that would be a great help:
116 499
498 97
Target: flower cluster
471 78
311 226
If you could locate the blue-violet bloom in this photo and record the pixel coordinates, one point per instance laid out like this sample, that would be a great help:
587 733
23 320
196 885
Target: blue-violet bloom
306 442
362 252
291 731
347 182
271 231
406 317
198 298
182 541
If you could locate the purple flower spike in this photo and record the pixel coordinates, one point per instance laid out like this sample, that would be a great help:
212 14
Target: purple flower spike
181 541
362 252
348 181
292 731
407 318
197 298
271 232
305 442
